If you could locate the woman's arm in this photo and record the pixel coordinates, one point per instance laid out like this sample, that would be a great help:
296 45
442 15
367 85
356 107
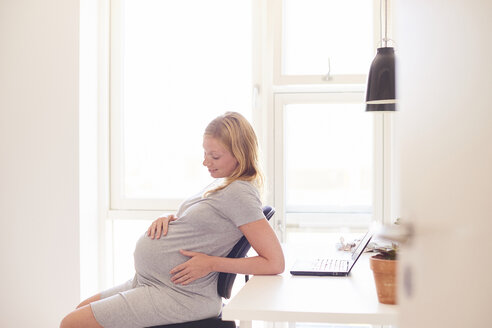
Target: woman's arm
270 258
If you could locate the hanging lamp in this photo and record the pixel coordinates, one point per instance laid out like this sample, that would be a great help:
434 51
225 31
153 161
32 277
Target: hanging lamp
380 95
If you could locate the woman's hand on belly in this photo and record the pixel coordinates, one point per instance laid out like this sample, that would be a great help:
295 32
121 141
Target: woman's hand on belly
198 266
160 226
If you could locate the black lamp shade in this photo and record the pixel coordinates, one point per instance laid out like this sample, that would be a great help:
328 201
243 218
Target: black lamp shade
380 94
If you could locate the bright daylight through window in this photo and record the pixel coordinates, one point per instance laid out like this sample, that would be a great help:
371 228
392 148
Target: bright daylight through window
328 164
180 67
322 35
177 64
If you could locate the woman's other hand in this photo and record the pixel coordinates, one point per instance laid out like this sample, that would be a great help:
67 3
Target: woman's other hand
160 226
199 265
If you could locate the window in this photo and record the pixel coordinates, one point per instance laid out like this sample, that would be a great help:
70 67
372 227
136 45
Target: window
326 167
175 66
330 155
320 41
295 68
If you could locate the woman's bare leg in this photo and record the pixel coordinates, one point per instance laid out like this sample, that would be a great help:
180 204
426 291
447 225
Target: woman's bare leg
80 318
94 298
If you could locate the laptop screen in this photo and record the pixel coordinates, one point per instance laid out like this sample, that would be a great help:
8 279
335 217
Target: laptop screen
361 246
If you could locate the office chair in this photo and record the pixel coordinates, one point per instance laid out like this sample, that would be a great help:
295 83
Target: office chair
224 285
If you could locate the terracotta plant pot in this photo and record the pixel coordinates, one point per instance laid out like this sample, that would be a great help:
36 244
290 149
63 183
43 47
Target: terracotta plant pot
385 277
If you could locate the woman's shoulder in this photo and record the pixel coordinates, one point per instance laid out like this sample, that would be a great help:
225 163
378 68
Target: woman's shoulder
240 201
238 189
242 185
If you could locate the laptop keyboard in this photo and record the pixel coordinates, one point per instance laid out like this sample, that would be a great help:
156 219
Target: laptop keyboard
334 265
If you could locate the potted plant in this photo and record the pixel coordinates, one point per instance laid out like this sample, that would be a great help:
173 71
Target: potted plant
384 267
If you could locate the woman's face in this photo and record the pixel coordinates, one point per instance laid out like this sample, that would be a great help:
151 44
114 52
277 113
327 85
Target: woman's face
219 161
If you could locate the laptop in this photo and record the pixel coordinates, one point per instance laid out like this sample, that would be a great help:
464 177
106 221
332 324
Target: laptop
334 266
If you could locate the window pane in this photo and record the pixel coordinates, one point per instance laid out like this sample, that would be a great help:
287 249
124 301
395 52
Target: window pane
317 30
184 63
328 159
125 236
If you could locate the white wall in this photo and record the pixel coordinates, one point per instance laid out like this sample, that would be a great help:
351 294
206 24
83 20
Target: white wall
88 147
39 231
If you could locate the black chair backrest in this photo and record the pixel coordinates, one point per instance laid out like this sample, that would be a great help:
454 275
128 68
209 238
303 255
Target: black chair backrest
226 280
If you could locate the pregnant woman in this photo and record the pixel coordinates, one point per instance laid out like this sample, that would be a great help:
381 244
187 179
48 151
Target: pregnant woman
178 259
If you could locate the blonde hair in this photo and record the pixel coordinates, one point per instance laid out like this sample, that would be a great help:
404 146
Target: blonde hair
236 134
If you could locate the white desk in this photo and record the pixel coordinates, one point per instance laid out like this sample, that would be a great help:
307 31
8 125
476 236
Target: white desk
287 298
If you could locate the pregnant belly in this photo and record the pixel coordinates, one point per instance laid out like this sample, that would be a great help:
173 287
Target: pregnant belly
154 258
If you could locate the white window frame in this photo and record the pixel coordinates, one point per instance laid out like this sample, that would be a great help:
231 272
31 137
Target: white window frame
113 205
326 79
381 154
273 85
147 208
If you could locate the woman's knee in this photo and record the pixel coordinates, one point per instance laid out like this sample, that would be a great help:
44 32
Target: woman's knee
79 318
68 321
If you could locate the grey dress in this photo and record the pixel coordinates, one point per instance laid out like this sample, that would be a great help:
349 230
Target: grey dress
207 225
